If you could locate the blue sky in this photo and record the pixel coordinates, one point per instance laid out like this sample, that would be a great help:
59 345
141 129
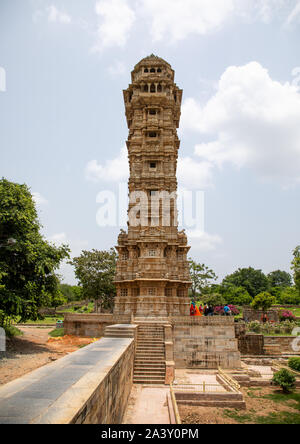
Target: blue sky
63 128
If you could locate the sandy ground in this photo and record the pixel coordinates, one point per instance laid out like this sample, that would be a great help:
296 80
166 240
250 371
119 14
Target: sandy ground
254 406
34 349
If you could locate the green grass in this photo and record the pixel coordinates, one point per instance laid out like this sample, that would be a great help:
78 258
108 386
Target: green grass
45 320
272 418
56 333
12 331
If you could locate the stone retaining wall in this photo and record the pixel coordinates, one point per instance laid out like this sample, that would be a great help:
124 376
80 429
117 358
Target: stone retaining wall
283 342
89 386
92 324
205 343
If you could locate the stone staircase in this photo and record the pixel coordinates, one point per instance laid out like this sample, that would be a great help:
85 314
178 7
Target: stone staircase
149 364
119 331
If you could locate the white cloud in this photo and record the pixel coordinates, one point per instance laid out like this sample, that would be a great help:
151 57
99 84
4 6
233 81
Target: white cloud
115 170
39 199
253 121
116 20
203 241
193 174
175 19
55 15
294 16
58 238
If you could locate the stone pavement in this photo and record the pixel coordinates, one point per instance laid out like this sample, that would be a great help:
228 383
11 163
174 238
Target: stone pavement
147 405
55 392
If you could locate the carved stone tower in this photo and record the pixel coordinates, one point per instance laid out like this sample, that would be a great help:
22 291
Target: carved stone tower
152 276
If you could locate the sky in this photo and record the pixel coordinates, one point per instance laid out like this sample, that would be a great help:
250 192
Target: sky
63 66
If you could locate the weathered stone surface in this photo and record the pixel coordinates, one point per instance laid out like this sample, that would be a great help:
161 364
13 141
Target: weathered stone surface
152 276
205 343
90 386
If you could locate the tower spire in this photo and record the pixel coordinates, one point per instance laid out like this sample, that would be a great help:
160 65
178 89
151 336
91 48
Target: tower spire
152 276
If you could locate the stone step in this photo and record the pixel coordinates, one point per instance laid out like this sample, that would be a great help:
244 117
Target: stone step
160 348
207 396
149 372
149 361
116 335
150 380
149 355
140 367
240 405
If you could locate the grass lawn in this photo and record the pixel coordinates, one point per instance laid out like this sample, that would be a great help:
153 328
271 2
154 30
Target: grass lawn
291 400
47 320
56 333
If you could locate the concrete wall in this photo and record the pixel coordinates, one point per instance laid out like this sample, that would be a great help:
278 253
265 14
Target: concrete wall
92 324
205 343
89 386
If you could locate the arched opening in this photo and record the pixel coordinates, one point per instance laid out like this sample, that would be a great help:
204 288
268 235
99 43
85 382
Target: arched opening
159 88
146 70
158 70
146 89
152 70
152 88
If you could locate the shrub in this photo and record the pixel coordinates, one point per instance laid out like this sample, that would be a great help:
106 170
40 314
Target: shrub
11 331
263 300
285 379
286 315
254 326
294 363
219 310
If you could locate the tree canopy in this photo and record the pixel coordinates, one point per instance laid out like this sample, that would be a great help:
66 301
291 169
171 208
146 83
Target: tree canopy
201 277
27 261
296 267
254 281
95 271
280 278
263 300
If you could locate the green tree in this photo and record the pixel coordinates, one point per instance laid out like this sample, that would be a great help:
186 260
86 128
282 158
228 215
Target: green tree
254 281
71 292
201 277
264 301
290 296
296 267
95 271
237 295
214 299
27 261
280 279
57 299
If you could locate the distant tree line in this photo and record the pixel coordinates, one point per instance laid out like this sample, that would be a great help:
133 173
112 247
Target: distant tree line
246 284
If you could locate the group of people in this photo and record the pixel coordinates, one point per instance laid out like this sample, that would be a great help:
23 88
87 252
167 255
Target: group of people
206 310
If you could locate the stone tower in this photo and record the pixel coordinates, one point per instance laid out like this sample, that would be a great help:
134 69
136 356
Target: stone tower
152 277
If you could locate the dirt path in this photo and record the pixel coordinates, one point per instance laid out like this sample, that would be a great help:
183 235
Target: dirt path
34 349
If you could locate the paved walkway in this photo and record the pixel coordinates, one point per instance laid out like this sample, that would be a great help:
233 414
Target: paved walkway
147 405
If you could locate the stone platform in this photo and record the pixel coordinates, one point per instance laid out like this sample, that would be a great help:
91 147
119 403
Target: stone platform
82 388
